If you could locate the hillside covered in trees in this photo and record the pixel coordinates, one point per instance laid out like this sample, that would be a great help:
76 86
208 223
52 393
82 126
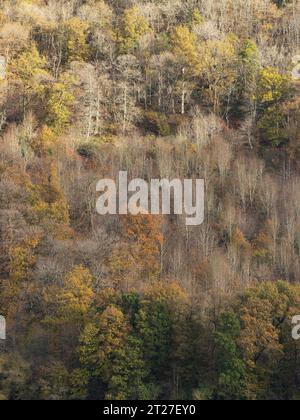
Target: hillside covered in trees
144 307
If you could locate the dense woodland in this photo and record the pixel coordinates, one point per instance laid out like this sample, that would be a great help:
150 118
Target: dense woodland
143 307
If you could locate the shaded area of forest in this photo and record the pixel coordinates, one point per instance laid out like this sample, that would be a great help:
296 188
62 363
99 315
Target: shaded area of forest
144 307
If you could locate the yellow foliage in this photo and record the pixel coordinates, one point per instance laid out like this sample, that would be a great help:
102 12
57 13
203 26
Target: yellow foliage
49 207
23 259
77 39
101 341
185 47
138 253
219 68
272 86
197 18
172 293
60 101
76 297
133 28
238 239
45 141
29 68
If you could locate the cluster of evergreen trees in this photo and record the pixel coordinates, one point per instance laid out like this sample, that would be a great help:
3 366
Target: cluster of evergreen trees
158 344
143 307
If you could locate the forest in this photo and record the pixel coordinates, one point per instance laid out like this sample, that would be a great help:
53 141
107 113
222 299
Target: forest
124 307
